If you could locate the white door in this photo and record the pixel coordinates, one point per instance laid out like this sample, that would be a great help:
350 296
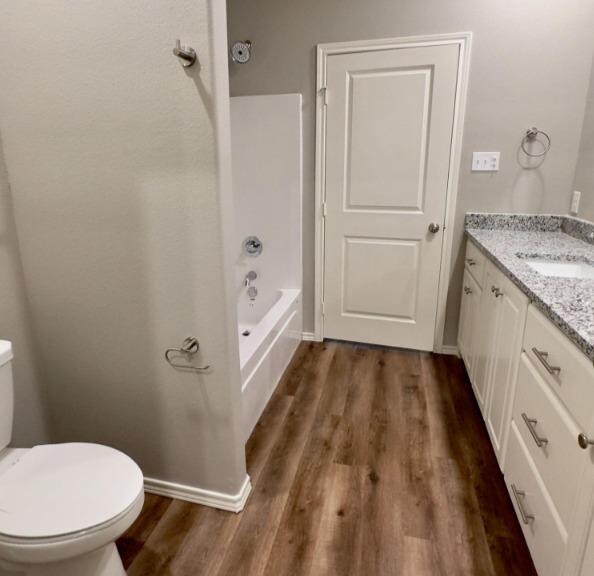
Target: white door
389 126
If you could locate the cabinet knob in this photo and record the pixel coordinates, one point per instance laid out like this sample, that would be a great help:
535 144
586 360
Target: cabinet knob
496 291
584 442
467 290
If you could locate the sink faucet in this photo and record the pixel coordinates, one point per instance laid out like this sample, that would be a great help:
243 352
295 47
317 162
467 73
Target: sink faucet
249 278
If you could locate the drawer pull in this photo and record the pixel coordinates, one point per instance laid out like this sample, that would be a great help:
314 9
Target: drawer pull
496 291
519 495
531 425
544 360
467 290
584 441
470 261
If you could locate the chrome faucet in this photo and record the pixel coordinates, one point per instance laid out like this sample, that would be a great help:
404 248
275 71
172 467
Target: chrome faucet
249 278
252 291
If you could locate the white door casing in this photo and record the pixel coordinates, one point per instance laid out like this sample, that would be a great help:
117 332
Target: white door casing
387 141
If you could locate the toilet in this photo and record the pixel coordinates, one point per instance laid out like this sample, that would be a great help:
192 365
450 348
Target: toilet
62 506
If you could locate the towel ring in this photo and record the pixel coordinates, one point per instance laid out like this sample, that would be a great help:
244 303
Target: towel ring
189 347
530 136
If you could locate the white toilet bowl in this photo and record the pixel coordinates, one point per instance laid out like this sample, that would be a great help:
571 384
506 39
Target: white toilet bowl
63 506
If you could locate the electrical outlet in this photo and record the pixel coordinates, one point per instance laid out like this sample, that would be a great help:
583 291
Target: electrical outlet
575 202
485 161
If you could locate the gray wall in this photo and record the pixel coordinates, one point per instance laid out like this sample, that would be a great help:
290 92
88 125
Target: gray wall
584 174
529 67
31 423
122 204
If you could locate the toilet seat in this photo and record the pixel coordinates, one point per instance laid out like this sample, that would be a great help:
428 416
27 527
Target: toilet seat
64 491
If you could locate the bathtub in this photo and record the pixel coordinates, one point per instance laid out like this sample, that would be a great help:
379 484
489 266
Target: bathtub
269 333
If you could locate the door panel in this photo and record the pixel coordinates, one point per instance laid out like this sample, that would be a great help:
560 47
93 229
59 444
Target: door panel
385 289
388 135
387 177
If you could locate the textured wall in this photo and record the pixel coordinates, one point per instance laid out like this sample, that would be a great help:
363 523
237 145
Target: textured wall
584 174
30 425
529 67
121 204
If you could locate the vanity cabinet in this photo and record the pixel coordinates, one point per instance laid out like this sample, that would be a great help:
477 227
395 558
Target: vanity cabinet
536 392
490 341
553 406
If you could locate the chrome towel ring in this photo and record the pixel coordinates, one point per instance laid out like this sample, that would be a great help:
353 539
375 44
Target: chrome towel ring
530 136
189 347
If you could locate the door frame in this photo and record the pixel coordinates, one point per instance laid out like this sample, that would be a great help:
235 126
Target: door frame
464 41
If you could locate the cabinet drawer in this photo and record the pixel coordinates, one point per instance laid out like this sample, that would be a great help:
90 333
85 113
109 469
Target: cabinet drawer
563 366
544 533
550 437
475 262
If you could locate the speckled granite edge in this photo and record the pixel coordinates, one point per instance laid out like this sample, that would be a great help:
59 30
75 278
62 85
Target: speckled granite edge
528 223
520 222
580 229
576 227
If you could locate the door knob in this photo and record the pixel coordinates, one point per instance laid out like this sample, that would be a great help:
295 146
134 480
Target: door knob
584 441
434 227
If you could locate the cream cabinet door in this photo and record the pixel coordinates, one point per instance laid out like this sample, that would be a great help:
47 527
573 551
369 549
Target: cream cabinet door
484 337
510 312
471 298
580 557
587 563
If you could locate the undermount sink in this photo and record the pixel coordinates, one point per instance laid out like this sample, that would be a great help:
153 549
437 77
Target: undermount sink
562 268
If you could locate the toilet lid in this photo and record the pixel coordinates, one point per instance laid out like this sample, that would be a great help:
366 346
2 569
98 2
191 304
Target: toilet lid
59 489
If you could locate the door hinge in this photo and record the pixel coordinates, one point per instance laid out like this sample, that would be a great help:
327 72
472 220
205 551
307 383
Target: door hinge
324 209
323 308
324 93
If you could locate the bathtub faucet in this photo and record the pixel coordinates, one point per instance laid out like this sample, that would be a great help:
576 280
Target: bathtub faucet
252 291
249 278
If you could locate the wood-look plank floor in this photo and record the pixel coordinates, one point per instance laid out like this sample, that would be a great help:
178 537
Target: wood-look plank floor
367 461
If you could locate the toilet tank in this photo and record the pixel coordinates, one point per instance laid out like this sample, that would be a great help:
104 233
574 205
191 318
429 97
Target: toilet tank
6 394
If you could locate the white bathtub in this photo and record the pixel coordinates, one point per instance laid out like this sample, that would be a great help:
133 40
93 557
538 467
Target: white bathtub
269 333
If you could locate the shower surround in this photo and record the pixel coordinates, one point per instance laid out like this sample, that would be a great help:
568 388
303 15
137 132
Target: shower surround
267 184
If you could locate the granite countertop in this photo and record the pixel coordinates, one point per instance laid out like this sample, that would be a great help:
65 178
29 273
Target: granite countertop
508 239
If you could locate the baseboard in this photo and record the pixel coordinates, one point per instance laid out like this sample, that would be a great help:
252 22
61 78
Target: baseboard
309 337
450 350
221 500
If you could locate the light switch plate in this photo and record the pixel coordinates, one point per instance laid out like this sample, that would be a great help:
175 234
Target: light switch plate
485 161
